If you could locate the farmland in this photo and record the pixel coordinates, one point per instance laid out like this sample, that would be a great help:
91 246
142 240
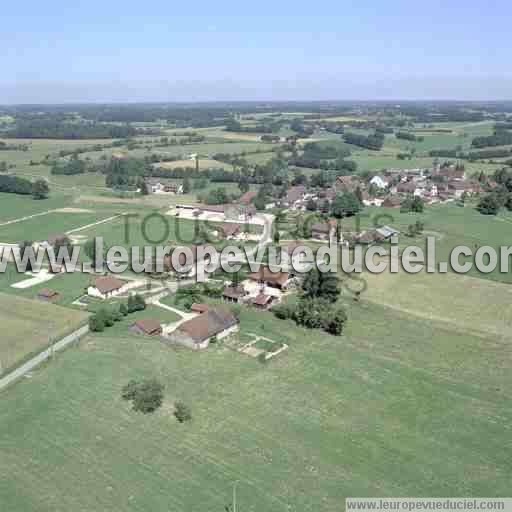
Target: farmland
29 326
331 418
411 400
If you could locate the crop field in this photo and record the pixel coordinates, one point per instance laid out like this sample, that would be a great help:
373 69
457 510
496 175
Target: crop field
204 163
330 418
42 226
30 325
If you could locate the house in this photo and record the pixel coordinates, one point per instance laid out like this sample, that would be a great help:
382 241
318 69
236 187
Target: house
323 230
409 187
48 295
234 294
391 202
147 326
247 197
161 186
196 333
229 230
263 301
107 286
295 195
380 181
347 183
199 308
264 276
457 188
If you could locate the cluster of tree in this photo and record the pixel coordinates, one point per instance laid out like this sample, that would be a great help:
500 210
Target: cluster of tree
69 167
215 196
317 308
182 141
16 185
500 196
373 141
499 138
301 129
13 147
52 129
409 136
124 173
444 153
4 167
270 138
412 204
106 317
346 204
146 396
487 153
415 229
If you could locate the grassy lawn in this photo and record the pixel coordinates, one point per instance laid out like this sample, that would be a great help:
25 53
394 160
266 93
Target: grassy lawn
28 326
398 406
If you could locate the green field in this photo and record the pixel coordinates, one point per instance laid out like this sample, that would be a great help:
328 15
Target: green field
28 326
399 406
40 227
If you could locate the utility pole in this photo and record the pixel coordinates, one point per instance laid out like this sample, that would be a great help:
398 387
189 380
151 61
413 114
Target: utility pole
234 495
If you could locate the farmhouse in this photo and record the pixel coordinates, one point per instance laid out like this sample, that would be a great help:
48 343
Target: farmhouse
229 230
147 326
161 186
196 333
323 230
295 195
264 276
263 301
48 295
233 294
107 286
380 181
391 202
199 308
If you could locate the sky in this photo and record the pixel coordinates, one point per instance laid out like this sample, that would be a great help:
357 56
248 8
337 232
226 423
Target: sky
59 51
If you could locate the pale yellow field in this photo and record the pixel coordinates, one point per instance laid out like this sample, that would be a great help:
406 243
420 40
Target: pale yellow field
203 164
479 306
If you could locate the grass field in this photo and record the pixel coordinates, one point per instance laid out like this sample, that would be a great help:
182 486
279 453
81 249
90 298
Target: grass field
40 227
451 226
399 406
30 325
13 206
204 163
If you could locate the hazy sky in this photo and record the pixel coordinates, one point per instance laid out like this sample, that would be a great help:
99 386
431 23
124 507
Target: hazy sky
57 51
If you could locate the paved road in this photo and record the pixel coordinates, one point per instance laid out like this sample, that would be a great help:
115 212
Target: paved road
37 360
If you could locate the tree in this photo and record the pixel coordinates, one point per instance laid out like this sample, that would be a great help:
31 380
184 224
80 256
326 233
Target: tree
489 205
147 396
123 309
187 187
143 188
136 303
311 205
96 323
276 237
345 205
182 412
323 285
334 320
243 184
40 189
